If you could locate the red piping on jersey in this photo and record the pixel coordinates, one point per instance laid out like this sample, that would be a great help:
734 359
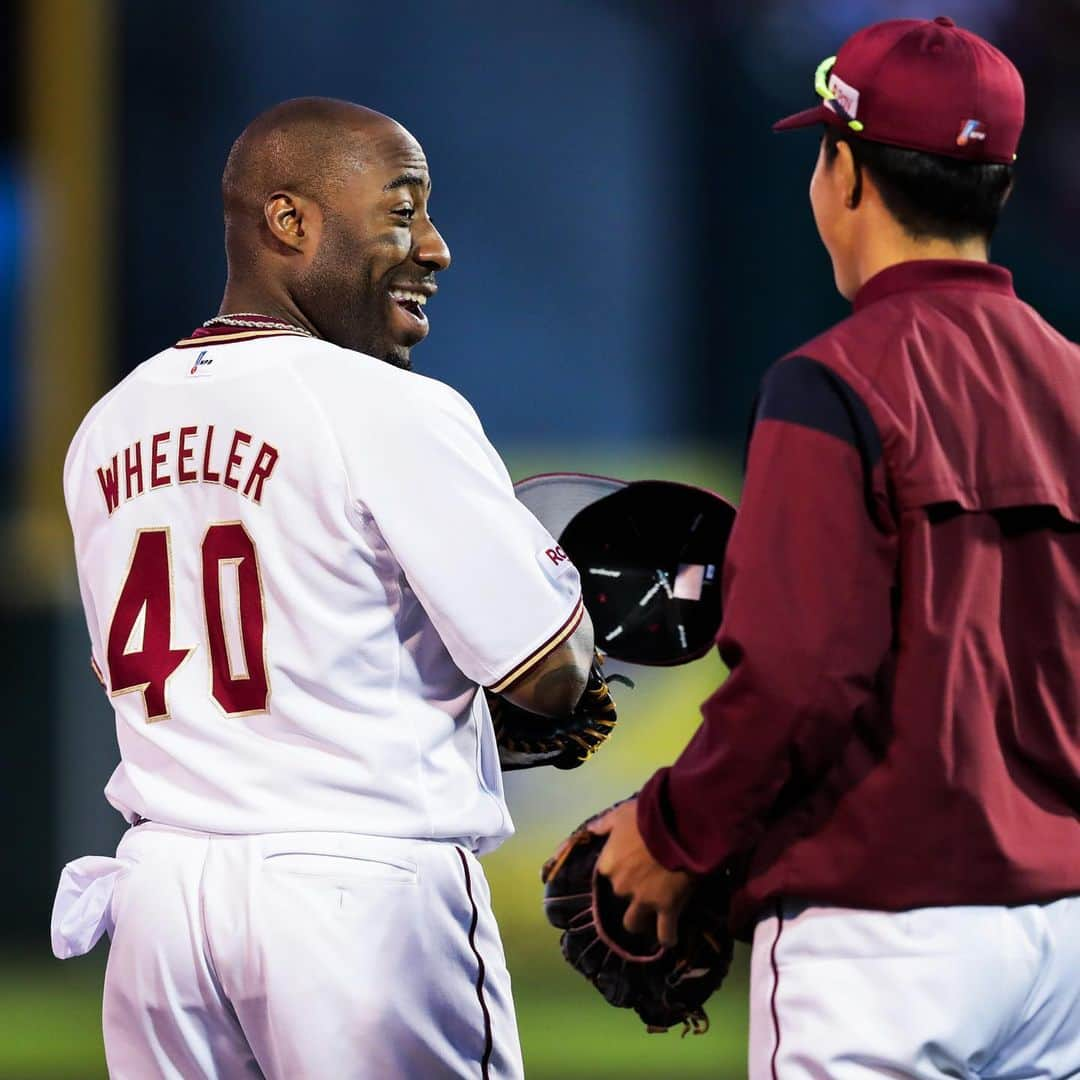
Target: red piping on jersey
489 1042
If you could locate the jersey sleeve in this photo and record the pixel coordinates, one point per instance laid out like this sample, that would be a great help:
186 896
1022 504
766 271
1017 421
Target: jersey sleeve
488 574
72 461
807 624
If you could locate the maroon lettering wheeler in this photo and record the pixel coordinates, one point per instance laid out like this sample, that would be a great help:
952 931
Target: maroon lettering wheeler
171 461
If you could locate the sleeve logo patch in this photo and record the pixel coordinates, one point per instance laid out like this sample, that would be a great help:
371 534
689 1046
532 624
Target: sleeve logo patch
554 561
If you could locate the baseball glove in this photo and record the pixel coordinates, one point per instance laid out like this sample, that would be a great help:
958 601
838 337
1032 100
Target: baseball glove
664 986
527 740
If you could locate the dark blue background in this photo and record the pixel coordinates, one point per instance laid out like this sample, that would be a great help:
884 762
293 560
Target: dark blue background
632 245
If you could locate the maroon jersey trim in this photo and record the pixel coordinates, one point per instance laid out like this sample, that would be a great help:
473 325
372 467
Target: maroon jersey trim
549 646
209 335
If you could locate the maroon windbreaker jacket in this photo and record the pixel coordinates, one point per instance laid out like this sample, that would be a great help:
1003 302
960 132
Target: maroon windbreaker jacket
901 725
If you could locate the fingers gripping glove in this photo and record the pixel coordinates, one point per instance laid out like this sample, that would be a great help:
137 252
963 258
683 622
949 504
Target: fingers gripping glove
664 986
527 740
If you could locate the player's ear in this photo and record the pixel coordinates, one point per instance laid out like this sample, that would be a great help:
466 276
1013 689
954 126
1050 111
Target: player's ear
292 220
847 175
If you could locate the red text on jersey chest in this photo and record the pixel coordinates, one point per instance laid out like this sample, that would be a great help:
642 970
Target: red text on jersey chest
189 455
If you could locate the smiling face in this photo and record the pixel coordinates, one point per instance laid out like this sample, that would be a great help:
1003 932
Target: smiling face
378 252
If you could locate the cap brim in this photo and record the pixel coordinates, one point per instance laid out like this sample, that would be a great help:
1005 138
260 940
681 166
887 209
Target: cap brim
555 498
819 114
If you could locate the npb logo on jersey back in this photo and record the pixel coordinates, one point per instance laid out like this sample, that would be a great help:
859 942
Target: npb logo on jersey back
202 364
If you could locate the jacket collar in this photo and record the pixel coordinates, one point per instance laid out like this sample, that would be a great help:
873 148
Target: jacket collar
930 275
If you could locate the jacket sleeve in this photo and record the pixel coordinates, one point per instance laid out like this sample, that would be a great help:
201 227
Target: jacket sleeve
807 623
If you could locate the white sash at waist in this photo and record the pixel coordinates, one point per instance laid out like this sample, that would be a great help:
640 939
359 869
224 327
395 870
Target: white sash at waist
82 910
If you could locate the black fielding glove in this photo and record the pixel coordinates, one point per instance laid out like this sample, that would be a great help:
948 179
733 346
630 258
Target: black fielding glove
527 740
664 986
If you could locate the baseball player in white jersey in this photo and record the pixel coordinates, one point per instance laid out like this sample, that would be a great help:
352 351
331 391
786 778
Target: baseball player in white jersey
299 561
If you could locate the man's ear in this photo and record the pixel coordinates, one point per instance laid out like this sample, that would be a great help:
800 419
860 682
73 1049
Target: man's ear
847 175
293 220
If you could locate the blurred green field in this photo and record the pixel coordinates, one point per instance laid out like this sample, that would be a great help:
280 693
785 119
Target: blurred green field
568 1033
50 1011
51 1024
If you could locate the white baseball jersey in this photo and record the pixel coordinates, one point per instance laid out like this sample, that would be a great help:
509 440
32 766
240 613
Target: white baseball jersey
297 564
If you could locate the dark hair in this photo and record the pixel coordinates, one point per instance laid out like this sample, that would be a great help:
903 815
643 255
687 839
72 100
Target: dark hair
929 195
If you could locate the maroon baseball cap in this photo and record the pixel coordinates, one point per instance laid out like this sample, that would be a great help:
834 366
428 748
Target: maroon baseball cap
921 84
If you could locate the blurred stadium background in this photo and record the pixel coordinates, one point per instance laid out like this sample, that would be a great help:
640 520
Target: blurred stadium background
632 247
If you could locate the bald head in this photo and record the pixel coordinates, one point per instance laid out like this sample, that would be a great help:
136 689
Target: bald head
307 146
326 224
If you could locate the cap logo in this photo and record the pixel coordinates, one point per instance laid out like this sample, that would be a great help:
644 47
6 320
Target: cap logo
847 97
970 132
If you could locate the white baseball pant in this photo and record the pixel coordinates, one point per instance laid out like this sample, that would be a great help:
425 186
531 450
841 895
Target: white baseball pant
982 993
293 955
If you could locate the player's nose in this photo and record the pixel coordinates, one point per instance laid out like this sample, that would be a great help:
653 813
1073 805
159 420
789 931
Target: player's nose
431 250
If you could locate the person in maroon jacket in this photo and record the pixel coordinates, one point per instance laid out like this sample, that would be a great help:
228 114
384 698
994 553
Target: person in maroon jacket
893 765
